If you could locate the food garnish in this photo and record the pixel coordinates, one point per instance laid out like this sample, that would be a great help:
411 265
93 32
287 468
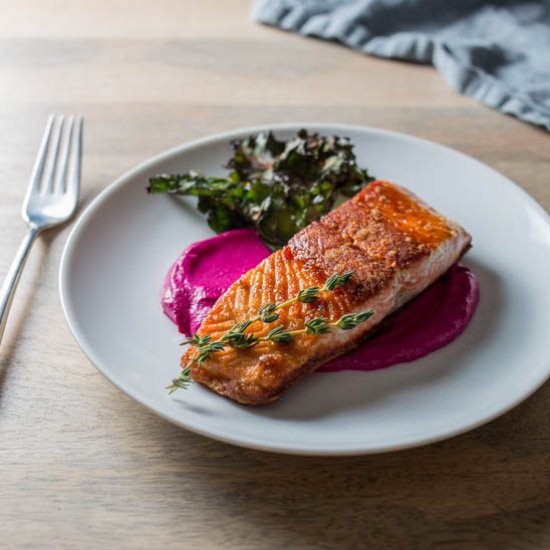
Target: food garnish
276 186
237 338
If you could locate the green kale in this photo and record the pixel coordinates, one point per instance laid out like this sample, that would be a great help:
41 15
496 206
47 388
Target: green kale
277 187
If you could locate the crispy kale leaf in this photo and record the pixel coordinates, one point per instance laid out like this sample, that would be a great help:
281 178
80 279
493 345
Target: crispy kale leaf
278 187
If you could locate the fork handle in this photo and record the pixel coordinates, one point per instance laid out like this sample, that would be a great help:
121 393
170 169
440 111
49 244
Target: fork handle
13 276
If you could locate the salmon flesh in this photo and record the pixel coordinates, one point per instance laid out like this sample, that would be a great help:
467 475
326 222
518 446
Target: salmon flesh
396 246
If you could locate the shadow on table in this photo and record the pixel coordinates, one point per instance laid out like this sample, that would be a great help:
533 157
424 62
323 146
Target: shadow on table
486 489
16 323
32 280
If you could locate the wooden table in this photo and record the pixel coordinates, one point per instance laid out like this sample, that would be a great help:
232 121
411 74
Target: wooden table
81 464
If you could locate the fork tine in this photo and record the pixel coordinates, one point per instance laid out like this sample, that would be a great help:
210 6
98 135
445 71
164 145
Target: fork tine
38 168
60 181
50 167
73 181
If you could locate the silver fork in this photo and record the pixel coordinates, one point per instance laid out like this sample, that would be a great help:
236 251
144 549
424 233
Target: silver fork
51 196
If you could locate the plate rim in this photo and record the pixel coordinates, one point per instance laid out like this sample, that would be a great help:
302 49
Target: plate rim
244 440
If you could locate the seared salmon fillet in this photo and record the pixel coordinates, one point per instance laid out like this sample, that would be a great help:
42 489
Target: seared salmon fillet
395 245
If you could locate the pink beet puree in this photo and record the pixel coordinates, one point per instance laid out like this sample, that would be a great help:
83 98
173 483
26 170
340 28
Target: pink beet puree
204 271
429 322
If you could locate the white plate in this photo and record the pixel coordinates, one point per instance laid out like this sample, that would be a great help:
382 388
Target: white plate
116 257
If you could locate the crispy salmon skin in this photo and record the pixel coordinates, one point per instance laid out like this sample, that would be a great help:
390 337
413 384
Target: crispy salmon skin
395 245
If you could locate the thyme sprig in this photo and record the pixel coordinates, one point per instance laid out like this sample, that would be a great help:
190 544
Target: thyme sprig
236 337
318 326
268 313
182 381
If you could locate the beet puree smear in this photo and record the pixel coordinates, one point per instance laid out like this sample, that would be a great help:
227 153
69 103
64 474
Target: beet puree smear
429 322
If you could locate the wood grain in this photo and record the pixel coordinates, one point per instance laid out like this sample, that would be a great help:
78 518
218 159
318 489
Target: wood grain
82 465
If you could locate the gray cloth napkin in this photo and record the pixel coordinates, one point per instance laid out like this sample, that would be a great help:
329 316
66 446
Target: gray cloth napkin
497 52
